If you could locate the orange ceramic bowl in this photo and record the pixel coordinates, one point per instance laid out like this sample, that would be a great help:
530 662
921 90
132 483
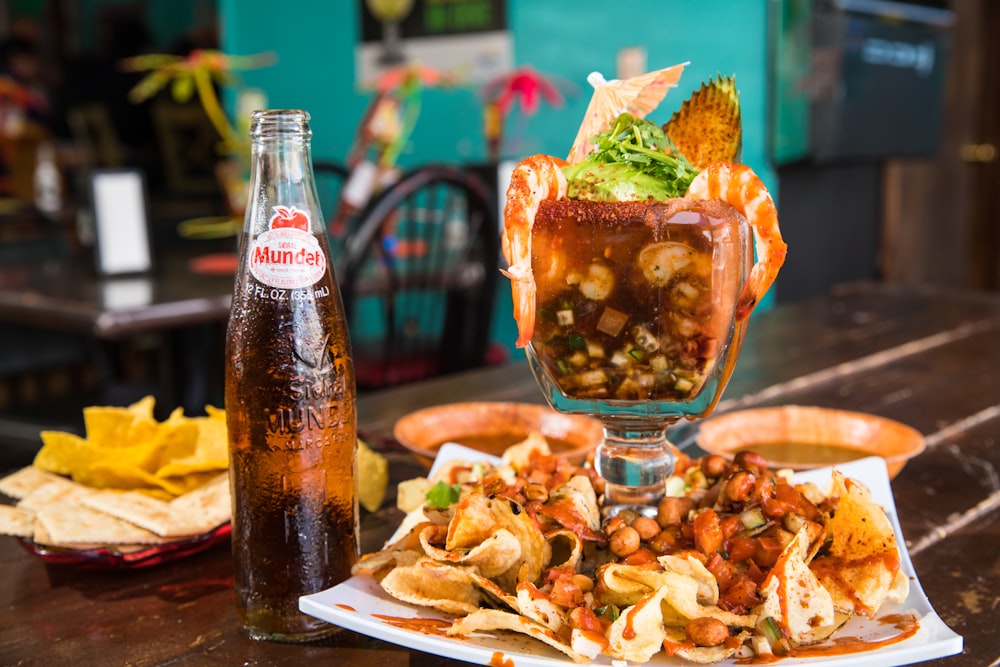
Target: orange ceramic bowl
491 427
802 438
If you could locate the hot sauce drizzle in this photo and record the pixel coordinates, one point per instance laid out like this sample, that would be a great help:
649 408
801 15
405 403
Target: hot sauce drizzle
906 623
428 626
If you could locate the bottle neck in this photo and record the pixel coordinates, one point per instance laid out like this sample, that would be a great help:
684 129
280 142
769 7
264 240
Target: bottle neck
281 168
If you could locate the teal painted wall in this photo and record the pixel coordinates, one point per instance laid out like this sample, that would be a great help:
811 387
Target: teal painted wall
314 42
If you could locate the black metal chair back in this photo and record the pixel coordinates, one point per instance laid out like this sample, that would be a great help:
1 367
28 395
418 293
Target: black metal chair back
419 277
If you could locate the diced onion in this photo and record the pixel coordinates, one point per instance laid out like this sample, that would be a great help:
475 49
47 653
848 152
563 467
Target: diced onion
752 517
591 378
564 317
595 350
620 358
658 363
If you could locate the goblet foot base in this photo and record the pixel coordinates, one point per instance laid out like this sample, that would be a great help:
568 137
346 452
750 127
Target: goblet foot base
639 499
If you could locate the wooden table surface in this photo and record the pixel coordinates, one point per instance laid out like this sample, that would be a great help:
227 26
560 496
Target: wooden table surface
68 297
930 359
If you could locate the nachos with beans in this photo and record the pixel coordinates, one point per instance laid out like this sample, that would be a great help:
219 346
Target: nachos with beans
737 560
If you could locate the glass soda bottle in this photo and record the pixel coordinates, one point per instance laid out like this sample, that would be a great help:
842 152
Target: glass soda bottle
290 395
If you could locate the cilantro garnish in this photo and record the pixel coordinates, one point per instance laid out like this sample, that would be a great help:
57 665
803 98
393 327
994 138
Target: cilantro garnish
443 495
633 160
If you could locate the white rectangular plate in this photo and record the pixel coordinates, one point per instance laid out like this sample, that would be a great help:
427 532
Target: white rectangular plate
358 603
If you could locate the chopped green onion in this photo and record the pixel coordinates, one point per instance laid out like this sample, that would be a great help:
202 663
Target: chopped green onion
577 341
775 636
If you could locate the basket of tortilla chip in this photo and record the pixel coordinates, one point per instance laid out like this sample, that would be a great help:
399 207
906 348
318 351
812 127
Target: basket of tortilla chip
736 562
134 491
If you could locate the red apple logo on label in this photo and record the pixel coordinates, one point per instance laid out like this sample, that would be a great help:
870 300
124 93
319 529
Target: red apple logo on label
286 217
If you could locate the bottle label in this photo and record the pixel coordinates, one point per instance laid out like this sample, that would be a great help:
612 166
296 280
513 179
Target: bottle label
287 255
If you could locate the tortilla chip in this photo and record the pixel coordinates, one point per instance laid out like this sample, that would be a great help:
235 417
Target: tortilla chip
535 605
519 456
16 521
794 597
495 555
689 565
625 585
493 619
637 634
860 565
63 453
380 563
702 655
199 444
567 549
477 518
427 583
573 505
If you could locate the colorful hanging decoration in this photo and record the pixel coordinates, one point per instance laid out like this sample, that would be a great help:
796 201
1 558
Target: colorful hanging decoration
196 73
525 86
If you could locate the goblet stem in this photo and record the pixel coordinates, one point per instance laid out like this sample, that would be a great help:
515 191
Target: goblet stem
634 460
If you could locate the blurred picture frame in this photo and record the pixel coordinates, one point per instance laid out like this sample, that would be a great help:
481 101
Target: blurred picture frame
121 222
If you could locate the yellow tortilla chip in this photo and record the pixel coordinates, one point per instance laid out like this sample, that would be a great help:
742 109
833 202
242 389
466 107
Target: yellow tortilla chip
63 453
373 477
861 562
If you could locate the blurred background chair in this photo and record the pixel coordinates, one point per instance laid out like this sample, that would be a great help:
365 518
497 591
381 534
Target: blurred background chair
330 177
419 277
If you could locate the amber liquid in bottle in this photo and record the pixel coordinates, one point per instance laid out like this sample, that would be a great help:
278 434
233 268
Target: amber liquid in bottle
290 396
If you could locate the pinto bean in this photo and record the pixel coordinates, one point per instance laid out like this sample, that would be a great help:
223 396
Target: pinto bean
625 541
739 486
713 465
749 460
706 631
646 527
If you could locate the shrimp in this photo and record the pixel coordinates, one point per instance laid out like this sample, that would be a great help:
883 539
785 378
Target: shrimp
534 180
739 186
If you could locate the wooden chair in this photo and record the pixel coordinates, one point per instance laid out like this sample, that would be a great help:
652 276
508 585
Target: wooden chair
419 277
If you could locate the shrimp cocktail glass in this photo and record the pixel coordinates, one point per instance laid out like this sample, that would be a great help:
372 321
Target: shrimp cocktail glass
633 273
